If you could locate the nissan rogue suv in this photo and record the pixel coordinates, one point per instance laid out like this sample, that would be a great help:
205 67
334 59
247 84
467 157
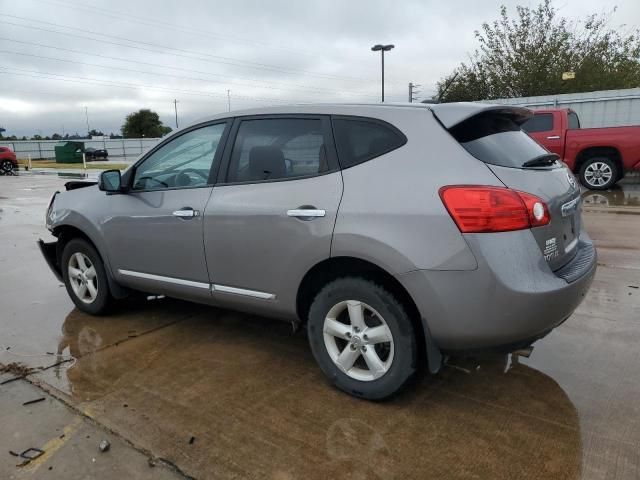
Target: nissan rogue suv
394 232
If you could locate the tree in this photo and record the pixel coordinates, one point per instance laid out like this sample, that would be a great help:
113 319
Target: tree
144 123
527 55
56 136
2 130
95 133
37 137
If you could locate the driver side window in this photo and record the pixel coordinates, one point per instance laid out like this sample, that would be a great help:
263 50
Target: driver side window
183 162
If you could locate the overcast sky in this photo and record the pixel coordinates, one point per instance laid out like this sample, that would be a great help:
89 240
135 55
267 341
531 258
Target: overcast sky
116 56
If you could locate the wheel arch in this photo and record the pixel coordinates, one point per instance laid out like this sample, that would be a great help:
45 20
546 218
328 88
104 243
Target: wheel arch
590 152
68 232
342 266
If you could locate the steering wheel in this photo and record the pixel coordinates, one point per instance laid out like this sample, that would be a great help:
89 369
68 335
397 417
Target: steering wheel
151 178
186 171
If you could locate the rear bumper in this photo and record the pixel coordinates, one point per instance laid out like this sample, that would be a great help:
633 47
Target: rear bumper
512 296
49 252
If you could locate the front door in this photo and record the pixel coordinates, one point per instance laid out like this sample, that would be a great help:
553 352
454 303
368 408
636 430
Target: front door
154 232
271 216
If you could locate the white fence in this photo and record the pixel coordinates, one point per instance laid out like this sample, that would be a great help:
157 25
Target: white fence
118 148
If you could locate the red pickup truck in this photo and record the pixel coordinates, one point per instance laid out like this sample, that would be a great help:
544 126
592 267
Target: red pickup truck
599 156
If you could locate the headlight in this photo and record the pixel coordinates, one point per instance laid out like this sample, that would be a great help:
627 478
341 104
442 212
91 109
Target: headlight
47 217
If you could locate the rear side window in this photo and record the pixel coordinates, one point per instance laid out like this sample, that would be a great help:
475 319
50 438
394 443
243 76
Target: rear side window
496 139
359 140
574 122
542 122
273 149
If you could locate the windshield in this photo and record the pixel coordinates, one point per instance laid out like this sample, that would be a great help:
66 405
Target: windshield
497 139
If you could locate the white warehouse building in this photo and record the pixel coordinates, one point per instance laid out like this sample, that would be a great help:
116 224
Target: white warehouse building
605 108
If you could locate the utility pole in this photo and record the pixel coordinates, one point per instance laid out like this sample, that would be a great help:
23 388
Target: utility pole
228 100
413 91
175 107
86 114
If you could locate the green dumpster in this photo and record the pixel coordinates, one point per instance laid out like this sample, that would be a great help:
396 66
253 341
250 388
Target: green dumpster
69 152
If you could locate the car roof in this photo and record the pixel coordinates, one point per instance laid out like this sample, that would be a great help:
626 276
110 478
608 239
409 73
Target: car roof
449 114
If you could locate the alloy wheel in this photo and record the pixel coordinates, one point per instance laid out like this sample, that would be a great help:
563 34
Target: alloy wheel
358 340
6 167
82 277
598 174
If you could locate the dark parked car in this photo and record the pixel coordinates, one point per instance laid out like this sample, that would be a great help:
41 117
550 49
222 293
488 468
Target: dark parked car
394 232
8 161
95 153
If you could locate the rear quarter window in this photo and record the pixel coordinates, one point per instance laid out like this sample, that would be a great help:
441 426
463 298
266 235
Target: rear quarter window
573 120
360 140
496 139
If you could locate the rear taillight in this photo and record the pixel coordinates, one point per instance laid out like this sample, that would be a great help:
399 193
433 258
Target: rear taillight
477 209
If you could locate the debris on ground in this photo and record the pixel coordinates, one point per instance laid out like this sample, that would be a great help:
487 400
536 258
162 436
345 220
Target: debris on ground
28 455
32 453
191 440
13 379
104 445
16 368
35 400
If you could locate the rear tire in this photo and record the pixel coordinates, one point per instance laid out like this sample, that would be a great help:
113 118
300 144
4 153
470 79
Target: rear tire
6 167
599 173
362 338
85 277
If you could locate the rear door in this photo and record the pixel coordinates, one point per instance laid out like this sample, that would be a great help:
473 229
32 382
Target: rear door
496 139
271 215
546 129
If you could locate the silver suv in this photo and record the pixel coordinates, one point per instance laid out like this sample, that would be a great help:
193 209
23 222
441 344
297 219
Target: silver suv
393 232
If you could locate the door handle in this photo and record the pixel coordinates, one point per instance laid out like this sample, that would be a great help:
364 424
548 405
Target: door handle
554 137
306 213
186 212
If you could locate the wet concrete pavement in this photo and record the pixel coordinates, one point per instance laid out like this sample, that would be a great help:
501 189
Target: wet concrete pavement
157 373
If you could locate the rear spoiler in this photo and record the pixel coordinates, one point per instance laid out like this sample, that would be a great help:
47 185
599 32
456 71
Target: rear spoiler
451 114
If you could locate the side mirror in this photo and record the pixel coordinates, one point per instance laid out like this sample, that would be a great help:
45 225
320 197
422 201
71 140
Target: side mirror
110 181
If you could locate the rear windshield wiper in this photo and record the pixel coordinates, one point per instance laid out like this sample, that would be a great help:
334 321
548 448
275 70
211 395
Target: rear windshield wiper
543 160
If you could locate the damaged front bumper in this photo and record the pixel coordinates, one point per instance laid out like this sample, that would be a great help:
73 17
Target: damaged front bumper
50 254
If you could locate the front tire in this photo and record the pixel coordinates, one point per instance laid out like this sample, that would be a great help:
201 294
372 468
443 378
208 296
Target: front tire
599 173
362 338
85 277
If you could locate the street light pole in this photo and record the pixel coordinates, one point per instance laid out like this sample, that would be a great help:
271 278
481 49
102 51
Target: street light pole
175 107
382 49
86 114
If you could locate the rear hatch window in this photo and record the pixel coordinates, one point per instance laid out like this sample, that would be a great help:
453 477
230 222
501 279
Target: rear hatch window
497 139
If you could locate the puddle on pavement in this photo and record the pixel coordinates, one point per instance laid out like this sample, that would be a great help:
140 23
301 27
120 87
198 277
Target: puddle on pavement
251 394
623 195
